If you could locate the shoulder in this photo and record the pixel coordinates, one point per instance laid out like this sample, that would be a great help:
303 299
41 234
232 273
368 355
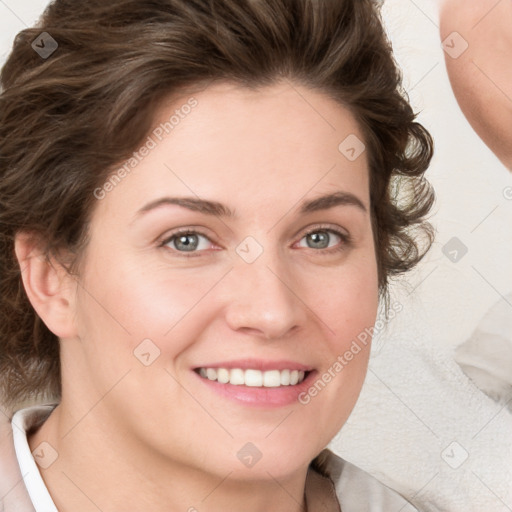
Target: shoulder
358 491
13 493
486 107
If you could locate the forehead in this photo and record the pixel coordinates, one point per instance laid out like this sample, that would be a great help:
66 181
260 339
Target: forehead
245 146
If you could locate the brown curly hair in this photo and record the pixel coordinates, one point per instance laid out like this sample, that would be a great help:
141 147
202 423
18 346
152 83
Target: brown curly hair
67 119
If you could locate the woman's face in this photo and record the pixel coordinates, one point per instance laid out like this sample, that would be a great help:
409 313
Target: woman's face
285 283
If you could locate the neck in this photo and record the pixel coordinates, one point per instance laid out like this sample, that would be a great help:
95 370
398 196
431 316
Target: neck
96 470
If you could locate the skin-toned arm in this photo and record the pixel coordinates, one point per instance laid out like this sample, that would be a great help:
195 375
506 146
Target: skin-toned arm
481 76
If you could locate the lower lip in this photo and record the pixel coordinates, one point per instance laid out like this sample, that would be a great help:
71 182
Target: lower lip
260 396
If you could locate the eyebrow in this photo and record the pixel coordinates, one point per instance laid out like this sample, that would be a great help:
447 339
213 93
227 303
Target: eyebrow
215 208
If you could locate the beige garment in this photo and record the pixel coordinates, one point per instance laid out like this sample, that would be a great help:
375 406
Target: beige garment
320 493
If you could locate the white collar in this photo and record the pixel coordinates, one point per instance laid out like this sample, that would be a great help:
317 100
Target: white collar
23 420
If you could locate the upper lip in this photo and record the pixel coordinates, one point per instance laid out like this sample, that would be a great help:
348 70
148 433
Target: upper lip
258 364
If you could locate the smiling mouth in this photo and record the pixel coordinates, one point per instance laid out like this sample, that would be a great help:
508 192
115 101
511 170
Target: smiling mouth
253 378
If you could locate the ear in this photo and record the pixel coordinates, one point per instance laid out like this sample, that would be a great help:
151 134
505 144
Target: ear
50 288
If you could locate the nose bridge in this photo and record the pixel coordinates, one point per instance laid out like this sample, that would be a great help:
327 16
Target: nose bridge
262 297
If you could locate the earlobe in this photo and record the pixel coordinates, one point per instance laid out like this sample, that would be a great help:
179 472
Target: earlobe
49 287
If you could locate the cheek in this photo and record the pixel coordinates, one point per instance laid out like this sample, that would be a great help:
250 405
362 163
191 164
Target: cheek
121 304
349 309
353 312
349 302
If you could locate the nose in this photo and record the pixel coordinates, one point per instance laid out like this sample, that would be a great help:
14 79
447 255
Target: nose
262 299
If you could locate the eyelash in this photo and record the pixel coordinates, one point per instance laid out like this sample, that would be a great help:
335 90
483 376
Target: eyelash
345 241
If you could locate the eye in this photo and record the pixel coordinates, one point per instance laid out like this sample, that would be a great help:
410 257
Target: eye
320 238
187 241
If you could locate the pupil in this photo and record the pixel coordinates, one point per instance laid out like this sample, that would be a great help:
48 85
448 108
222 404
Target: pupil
186 245
319 237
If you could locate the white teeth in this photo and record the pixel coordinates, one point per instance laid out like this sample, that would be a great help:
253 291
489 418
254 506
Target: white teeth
272 379
285 378
223 375
237 377
254 378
